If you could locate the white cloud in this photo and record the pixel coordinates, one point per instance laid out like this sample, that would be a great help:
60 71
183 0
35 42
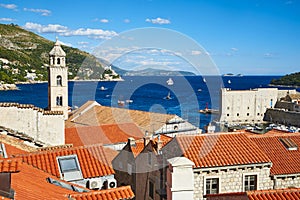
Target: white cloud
9 6
6 19
158 20
104 20
196 53
43 12
94 33
65 31
82 43
234 49
126 21
50 28
268 55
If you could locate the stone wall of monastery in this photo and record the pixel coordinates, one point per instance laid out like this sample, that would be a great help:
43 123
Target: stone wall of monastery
231 180
44 126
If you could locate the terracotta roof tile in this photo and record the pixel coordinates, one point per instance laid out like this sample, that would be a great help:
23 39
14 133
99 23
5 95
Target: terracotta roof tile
138 148
221 149
104 134
119 193
10 165
101 115
139 144
15 146
94 160
284 161
288 194
28 188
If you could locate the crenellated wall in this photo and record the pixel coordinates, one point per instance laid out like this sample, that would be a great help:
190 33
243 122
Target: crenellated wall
41 125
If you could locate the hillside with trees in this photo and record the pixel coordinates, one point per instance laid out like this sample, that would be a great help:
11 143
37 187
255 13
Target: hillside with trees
24 57
288 80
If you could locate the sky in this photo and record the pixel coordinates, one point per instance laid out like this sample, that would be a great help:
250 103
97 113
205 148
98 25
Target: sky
251 37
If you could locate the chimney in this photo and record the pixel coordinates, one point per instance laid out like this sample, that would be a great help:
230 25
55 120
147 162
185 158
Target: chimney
146 138
131 141
159 144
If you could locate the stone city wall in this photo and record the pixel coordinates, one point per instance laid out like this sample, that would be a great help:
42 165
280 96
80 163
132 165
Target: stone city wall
283 117
44 126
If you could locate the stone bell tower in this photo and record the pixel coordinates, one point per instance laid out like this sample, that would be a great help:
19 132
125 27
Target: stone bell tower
58 80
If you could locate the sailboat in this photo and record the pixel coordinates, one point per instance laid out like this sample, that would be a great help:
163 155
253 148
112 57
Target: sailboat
168 97
229 81
204 80
170 81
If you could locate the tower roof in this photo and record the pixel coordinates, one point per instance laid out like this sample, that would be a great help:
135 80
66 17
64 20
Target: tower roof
57 50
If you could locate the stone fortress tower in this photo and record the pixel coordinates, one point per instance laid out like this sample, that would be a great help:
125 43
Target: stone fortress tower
58 80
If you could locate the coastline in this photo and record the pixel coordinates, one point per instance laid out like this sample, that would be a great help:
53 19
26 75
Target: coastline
5 87
289 86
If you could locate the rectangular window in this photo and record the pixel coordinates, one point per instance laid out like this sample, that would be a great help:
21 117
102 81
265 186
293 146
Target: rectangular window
250 182
212 185
67 165
151 189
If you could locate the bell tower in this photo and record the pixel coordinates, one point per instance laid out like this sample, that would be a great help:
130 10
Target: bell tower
58 80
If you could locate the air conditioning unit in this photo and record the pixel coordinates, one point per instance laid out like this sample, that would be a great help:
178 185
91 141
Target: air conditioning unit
94 184
111 183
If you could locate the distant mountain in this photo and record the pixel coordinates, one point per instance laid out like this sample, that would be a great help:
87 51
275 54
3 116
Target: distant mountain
288 80
153 72
24 56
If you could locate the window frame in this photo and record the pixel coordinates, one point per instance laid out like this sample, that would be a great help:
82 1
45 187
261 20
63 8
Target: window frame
256 181
218 184
73 174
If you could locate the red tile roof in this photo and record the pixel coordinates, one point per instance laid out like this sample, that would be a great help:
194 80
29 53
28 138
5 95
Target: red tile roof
138 148
30 184
288 194
284 161
119 193
10 165
139 144
222 149
104 134
94 160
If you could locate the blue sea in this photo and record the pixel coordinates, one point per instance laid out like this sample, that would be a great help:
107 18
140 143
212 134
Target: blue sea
187 94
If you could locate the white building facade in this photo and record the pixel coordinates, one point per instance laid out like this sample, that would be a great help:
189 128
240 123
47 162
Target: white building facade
246 106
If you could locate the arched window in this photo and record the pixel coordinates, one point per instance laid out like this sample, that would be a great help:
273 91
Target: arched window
59 80
59 101
58 61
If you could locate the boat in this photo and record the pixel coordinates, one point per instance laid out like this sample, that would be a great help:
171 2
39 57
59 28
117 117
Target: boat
170 81
204 80
121 103
208 110
229 81
168 97
199 90
102 88
129 101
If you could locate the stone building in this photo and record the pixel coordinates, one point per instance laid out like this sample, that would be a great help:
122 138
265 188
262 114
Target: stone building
93 114
222 164
58 80
286 110
248 106
37 125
